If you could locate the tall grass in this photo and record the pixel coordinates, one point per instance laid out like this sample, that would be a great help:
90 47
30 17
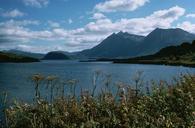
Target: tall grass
163 106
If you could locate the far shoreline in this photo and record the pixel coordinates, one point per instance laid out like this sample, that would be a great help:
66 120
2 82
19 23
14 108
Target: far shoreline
145 62
148 62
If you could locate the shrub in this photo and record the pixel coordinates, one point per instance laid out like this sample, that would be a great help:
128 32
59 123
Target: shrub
164 106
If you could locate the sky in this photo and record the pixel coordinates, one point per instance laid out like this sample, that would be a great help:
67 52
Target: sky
72 25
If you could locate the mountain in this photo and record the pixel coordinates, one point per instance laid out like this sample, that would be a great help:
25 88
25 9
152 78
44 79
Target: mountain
55 55
160 38
183 54
116 45
124 45
71 55
185 49
10 57
22 53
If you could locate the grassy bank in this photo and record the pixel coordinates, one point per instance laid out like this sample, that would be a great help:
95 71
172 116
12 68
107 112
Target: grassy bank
163 106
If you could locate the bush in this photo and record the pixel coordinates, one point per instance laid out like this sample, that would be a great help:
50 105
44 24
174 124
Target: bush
164 106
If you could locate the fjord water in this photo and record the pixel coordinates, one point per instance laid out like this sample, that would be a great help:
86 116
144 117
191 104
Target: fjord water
15 77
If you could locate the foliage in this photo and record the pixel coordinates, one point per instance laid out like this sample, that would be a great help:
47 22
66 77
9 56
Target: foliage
9 57
164 106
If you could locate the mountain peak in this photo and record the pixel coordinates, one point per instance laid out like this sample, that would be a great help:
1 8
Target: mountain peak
123 44
160 32
160 38
169 30
121 33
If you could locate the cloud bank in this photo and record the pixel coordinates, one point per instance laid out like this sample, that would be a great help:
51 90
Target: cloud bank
13 14
120 5
93 32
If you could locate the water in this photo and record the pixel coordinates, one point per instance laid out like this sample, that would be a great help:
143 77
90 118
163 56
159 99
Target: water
15 78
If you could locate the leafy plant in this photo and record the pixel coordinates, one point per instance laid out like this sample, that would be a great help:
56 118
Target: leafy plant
165 106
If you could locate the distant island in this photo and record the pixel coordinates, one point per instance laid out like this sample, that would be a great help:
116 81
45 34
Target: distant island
14 58
183 54
55 56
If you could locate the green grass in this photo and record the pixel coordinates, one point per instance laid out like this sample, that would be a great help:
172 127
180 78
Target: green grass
9 57
163 106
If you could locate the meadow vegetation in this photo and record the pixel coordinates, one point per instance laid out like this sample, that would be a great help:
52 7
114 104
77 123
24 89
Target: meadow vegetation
162 105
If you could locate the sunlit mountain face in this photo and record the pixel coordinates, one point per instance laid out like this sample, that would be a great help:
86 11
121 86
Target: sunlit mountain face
41 26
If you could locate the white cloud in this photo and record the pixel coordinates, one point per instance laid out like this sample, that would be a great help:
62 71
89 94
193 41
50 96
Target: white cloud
120 5
70 21
38 49
191 15
53 24
97 16
14 13
36 3
93 32
188 26
12 22
161 18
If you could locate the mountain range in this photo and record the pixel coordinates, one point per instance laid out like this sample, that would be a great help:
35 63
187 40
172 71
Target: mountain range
123 44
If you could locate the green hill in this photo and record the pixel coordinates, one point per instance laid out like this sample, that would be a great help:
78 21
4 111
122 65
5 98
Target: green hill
9 57
55 56
183 54
24 53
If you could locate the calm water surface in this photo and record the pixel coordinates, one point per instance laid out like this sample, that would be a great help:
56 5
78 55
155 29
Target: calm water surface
15 78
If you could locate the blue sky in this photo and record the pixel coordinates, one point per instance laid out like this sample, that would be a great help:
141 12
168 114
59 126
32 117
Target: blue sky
73 25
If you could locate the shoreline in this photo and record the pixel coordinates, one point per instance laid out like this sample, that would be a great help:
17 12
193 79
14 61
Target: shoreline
153 62
146 62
